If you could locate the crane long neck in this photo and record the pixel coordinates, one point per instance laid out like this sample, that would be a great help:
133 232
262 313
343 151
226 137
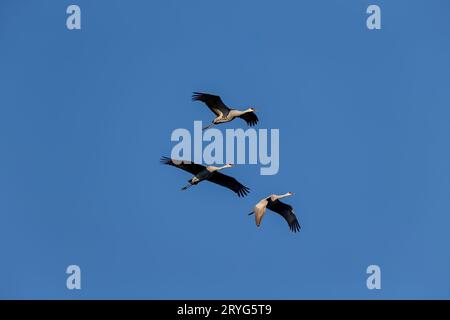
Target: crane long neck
213 168
241 112
281 196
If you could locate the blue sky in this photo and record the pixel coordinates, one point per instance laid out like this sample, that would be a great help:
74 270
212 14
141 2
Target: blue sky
364 129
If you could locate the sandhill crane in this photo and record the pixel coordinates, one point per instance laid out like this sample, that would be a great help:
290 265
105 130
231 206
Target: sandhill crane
273 203
210 173
224 113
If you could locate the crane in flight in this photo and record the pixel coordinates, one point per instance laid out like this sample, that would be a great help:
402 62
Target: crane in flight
208 173
274 204
223 112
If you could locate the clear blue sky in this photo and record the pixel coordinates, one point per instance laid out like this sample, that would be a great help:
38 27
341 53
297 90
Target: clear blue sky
364 128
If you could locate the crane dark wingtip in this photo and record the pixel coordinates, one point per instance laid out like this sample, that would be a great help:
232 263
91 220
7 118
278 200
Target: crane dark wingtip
242 192
250 118
295 226
165 160
196 96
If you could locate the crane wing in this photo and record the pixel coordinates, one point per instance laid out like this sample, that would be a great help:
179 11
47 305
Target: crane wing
250 118
230 183
214 103
286 211
260 210
184 165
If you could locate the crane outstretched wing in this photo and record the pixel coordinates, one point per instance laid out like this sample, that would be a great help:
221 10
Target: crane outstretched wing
260 210
183 164
230 183
286 211
214 103
250 118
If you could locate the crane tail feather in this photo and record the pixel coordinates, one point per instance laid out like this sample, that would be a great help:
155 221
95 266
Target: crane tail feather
251 213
